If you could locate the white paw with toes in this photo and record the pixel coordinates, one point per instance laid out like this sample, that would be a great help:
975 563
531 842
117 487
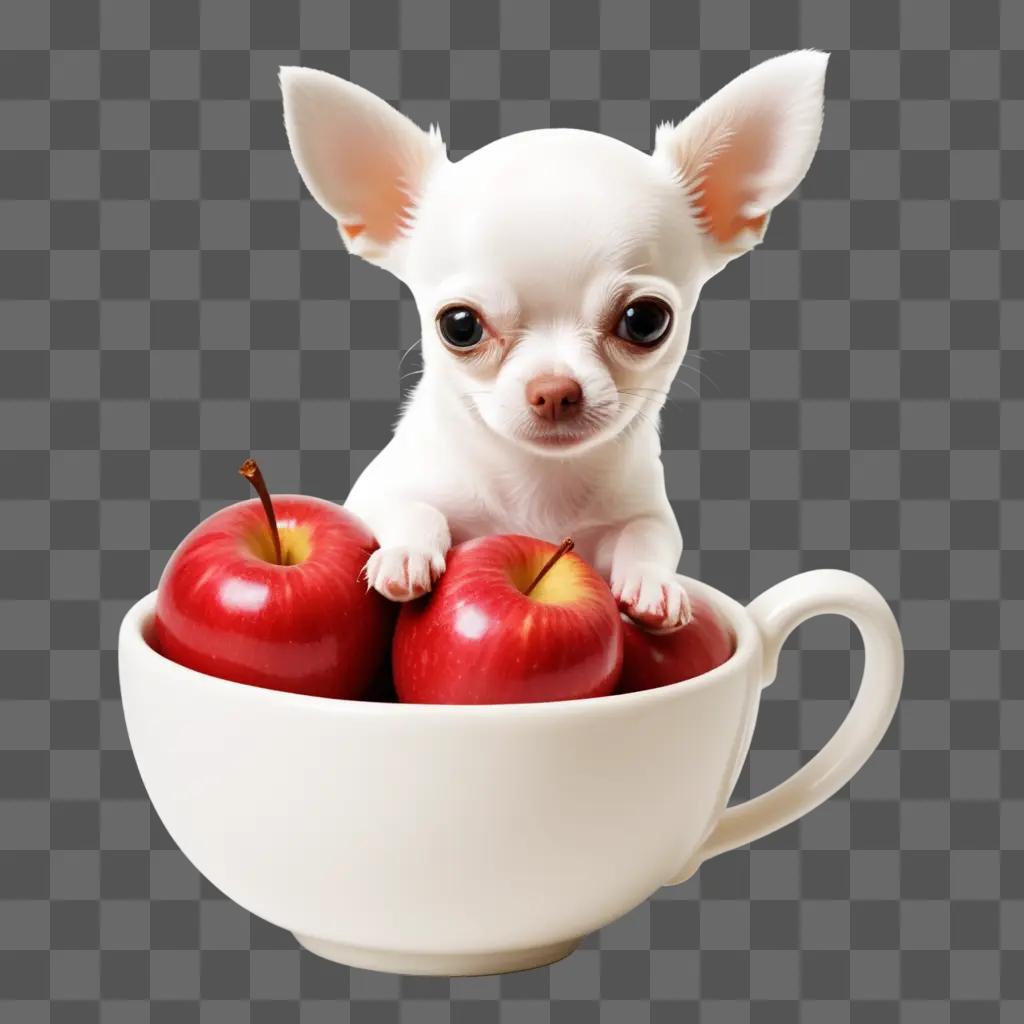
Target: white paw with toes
403 573
651 597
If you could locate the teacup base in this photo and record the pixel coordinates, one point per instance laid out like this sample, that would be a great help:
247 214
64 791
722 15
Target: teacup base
450 965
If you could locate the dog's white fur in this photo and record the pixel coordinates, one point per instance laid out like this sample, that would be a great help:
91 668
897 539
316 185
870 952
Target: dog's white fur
548 235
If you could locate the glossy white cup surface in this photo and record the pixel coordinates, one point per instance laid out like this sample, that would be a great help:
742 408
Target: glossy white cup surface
451 839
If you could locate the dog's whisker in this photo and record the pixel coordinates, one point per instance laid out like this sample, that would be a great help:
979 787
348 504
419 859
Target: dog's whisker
634 390
418 341
667 395
689 387
638 410
698 371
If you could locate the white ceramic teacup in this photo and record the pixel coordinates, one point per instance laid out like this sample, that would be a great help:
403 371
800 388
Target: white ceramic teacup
478 839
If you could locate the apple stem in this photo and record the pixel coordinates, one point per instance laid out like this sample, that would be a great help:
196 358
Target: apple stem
251 471
564 548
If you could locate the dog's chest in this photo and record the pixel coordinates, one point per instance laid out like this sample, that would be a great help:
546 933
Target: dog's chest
548 504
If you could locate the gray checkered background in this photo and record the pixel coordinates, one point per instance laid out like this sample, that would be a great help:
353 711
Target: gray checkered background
172 300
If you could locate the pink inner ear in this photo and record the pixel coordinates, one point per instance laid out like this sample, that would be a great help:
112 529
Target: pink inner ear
730 183
378 197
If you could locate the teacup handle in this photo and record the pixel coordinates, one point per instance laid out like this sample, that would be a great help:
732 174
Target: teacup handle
778 612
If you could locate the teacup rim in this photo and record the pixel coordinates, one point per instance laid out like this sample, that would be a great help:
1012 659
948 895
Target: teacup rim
134 626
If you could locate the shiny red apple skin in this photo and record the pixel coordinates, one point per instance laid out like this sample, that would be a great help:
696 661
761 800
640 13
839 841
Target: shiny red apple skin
310 627
652 659
477 639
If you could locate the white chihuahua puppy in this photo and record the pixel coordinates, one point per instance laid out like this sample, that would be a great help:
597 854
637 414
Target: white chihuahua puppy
555 272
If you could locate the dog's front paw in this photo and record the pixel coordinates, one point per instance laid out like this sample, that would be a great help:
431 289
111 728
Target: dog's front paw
651 596
403 573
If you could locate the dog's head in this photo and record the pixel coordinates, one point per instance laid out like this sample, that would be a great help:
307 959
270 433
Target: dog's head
556 271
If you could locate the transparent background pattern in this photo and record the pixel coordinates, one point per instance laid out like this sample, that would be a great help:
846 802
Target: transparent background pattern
171 300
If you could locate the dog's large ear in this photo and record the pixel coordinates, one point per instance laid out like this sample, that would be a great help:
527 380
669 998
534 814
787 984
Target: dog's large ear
362 161
746 148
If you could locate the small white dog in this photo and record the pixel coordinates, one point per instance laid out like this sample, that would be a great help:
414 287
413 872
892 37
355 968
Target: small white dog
555 272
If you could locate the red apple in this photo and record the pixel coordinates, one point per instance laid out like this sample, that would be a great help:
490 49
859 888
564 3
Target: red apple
272 596
656 659
512 620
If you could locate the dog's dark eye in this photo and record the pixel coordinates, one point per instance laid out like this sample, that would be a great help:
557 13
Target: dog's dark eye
644 322
460 327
